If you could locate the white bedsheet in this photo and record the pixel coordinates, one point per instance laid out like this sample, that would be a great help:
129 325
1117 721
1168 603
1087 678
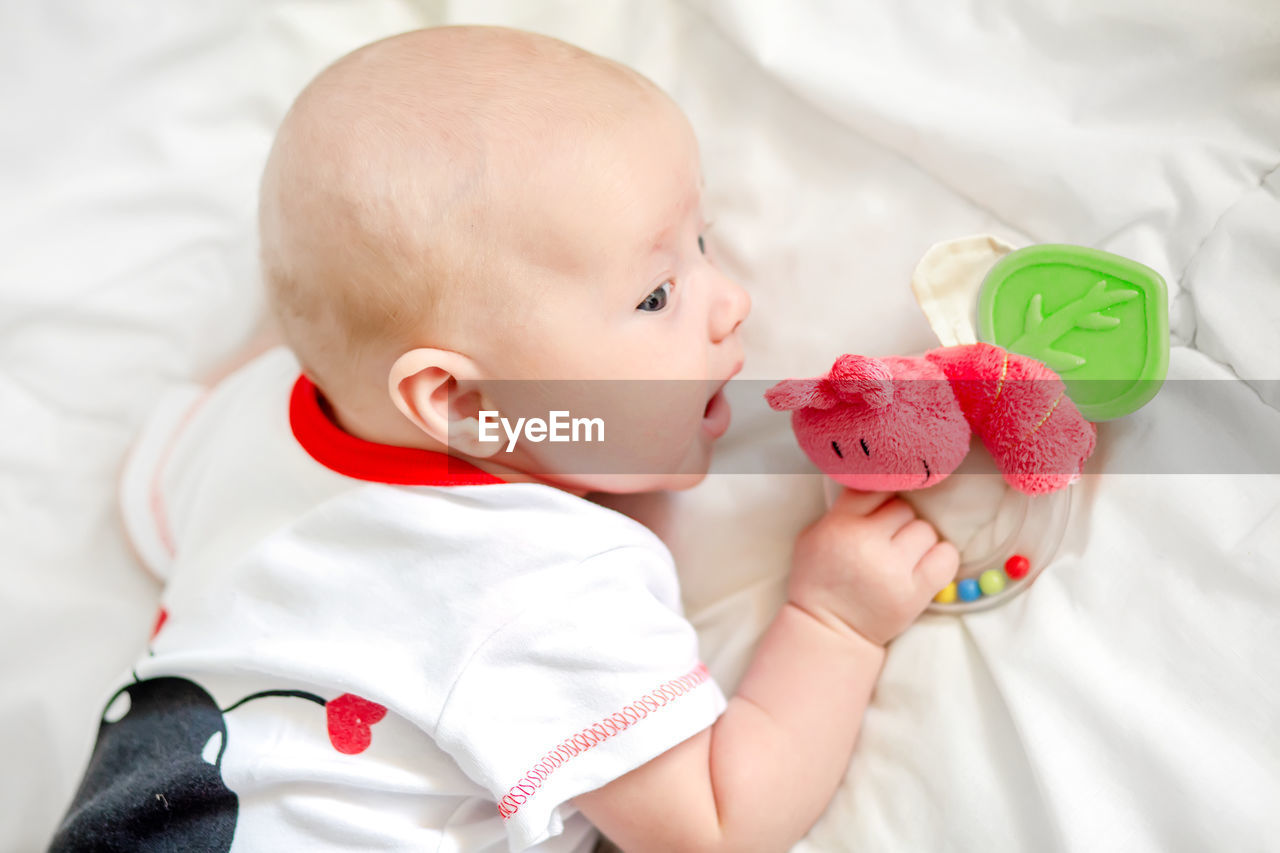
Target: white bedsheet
1129 701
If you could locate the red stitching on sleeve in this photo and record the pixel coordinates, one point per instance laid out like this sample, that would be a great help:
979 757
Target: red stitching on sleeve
158 514
597 733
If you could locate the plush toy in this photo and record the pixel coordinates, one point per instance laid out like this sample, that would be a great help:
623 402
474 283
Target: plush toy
901 423
1097 319
904 423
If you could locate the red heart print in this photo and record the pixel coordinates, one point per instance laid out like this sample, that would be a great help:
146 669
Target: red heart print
161 618
349 718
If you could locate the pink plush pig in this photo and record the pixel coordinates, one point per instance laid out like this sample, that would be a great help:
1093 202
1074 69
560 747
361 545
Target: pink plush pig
902 423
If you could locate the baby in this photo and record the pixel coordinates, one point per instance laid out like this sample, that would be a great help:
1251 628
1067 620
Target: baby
383 629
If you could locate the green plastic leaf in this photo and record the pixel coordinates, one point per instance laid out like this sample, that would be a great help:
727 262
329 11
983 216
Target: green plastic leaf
1035 315
1060 361
1099 320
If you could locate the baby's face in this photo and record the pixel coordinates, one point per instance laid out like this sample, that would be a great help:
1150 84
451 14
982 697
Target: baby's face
623 313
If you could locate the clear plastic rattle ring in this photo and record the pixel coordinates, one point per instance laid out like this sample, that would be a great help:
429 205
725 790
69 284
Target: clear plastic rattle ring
1006 538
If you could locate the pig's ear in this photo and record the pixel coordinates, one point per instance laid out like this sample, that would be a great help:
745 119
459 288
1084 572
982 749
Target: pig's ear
790 394
859 379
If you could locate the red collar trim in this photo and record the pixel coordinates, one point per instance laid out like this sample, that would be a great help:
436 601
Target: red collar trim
340 451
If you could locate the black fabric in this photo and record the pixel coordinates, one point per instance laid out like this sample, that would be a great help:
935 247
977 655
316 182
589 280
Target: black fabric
147 787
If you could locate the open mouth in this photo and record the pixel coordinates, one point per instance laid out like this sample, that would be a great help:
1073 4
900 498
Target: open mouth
716 414
715 400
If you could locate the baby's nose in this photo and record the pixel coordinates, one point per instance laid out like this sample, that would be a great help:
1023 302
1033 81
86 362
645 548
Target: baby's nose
744 303
734 308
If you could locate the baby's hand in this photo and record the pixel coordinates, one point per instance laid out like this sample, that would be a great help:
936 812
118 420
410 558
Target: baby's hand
870 564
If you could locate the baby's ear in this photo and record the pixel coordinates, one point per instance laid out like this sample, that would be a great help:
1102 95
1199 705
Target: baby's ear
433 388
857 378
791 394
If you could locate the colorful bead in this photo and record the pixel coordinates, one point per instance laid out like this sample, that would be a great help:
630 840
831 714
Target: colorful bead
969 590
1017 566
991 581
947 594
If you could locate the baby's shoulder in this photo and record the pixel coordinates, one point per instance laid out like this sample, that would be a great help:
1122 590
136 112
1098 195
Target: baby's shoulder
539 518
499 549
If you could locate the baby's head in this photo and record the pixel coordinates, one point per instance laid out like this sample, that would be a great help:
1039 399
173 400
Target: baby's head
449 209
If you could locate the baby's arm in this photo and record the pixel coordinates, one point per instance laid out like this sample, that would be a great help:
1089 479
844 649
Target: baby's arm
761 776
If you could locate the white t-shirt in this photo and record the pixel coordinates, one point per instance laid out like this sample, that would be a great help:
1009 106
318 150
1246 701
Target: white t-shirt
406 653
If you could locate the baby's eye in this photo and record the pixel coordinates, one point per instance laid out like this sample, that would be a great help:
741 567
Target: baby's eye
702 238
657 300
